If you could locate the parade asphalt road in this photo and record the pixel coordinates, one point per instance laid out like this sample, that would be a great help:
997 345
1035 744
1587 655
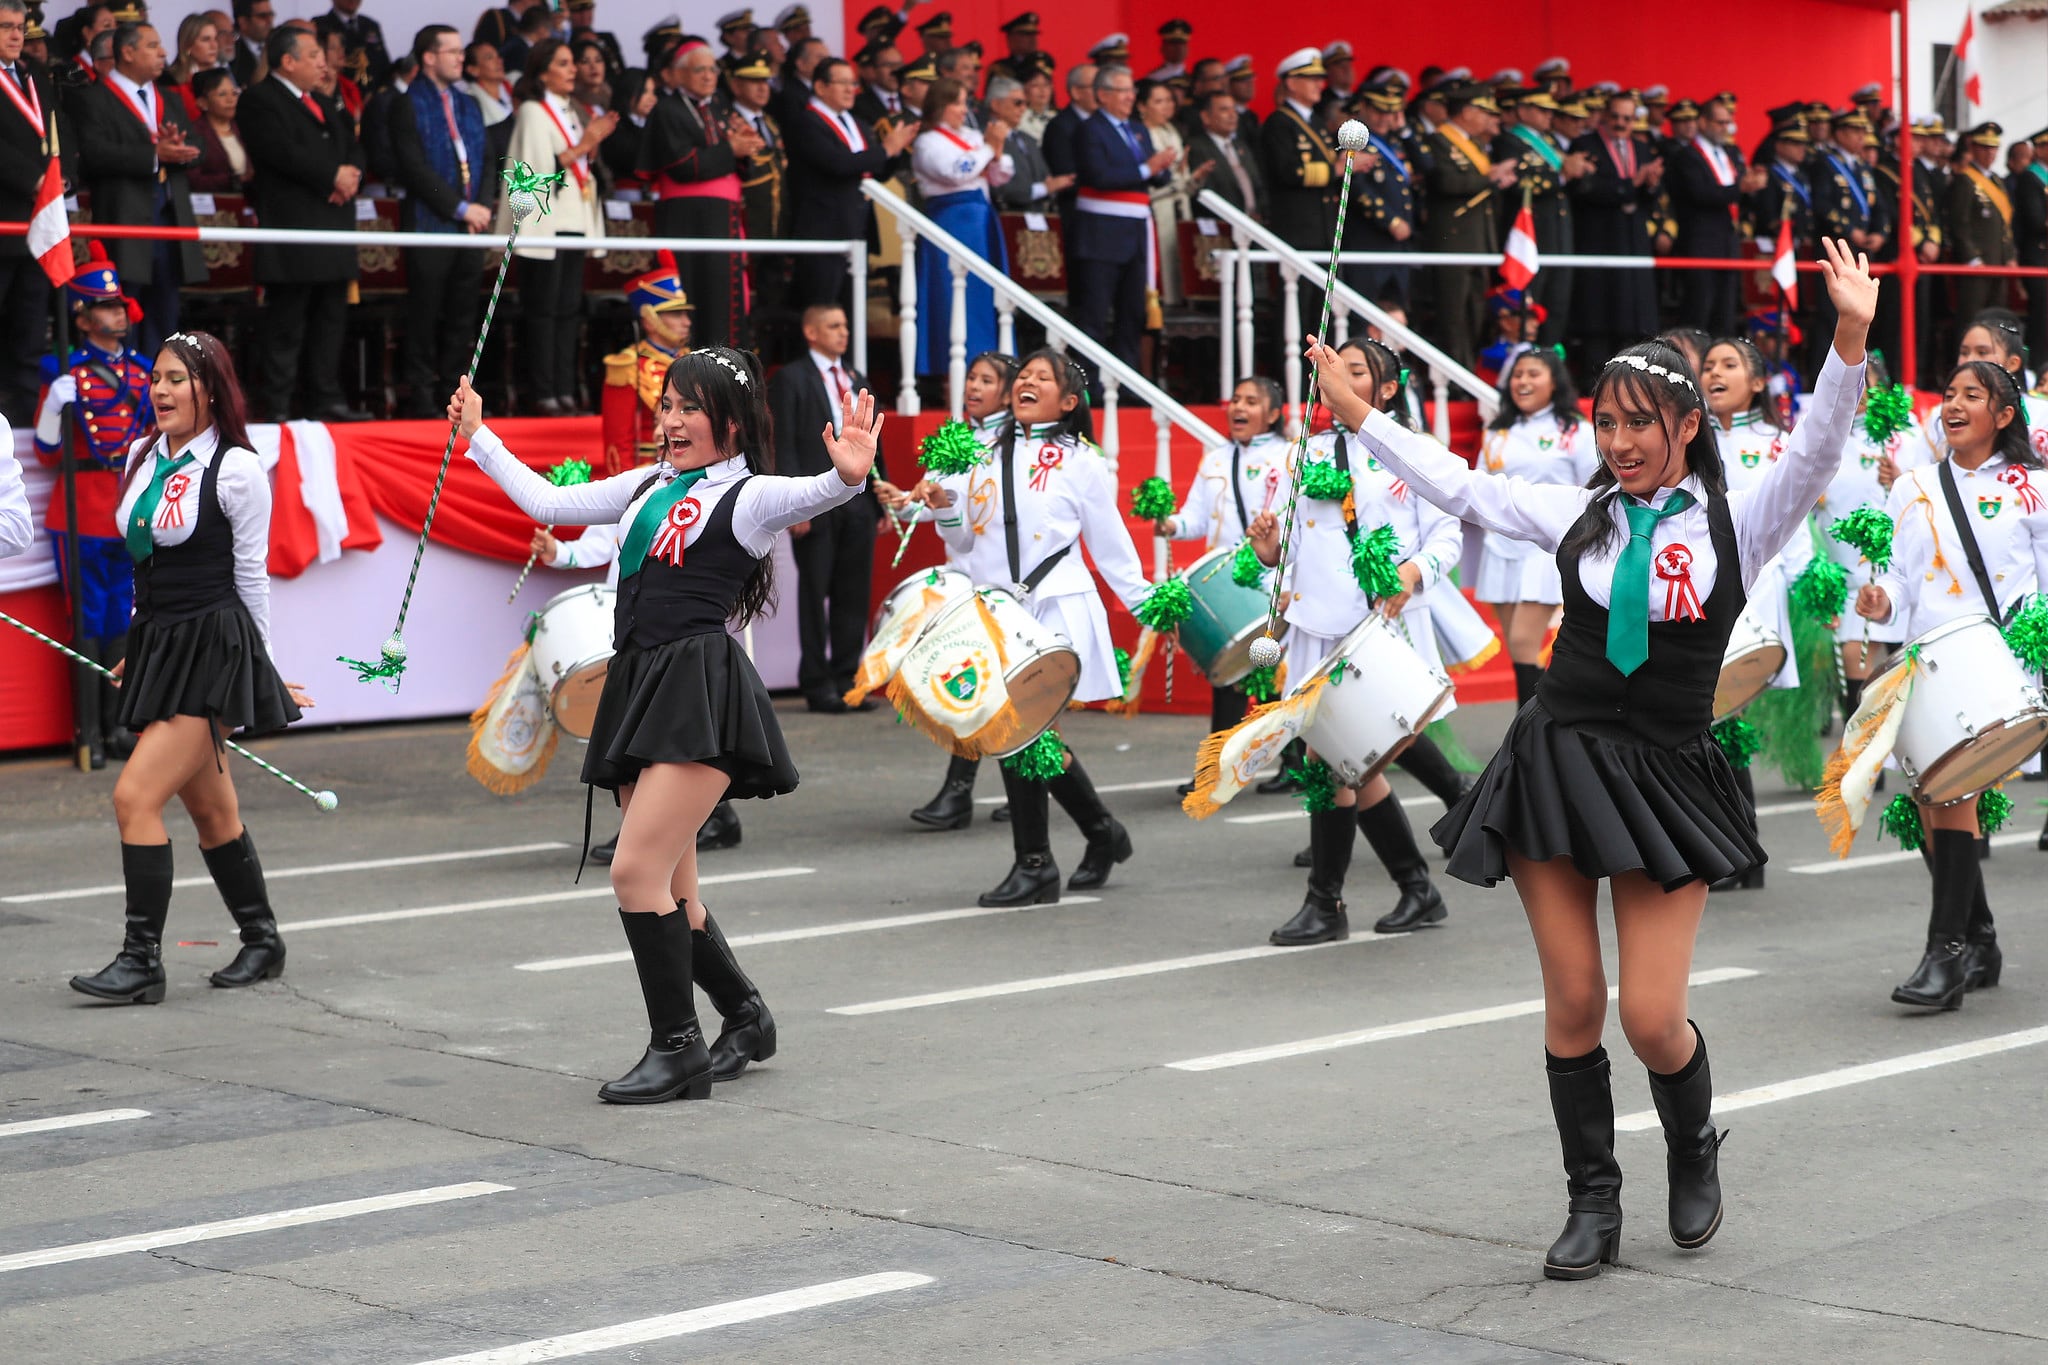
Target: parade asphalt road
1119 1128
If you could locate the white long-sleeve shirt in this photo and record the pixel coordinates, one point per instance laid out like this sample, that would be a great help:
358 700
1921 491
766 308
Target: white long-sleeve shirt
1209 511
17 520
1540 449
243 491
2009 507
596 548
946 161
1749 448
1323 596
1765 517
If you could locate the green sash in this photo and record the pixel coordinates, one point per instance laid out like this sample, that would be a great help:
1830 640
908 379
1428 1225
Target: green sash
141 543
1545 148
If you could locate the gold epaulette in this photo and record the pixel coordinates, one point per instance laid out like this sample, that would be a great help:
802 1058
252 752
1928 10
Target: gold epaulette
622 367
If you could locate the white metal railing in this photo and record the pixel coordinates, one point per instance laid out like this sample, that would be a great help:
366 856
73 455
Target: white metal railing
1257 242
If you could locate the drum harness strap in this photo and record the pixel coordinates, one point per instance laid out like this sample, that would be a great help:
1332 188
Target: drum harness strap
1244 516
1025 585
1971 553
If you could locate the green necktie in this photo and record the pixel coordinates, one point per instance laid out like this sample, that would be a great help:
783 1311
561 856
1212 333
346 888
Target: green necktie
141 543
1628 602
647 522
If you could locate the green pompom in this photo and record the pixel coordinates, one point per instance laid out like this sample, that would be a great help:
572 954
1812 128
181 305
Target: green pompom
1167 605
1324 482
1373 563
1123 670
1738 739
1870 532
1318 785
1262 684
1245 569
1886 413
1822 590
951 449
1901 820
1994 808
1041 760
2027 636
569 472
1152 500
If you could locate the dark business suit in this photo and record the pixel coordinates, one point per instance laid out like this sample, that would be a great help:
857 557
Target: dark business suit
1015 195
117 158
686 145
825 199
1611 217
1203 148
835 558
441 285
1058 145
24 288
1108 256
1707 228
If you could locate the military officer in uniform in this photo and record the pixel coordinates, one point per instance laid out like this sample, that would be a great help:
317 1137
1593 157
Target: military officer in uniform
2026 182
1461 184
1174 37
362 40
1386 213
1300 164
738 31
762 180
1785 190
1243 80
1930 193
582 20
1020 34
936 33
1979 219
1543 167
633 377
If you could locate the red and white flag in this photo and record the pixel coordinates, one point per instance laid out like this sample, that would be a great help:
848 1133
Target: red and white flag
1784 269
1969 75
1520 264
49 231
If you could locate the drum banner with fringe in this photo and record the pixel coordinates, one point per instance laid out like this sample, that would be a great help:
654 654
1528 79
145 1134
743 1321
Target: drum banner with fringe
955 690
1231 760
885 653
512 736
1867 739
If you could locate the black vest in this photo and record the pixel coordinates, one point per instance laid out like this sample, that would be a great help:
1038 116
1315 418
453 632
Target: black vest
1670 699
662 602
180 582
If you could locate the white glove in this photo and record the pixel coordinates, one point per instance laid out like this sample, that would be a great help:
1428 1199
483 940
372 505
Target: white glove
50 421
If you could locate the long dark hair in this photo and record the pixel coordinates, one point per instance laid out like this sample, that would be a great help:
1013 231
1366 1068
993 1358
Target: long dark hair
529 86
212 369
2013 440
1564 397
732 390
1005 365
1640 393
1071 380
1386 369
1269 389
1762 407
2006 330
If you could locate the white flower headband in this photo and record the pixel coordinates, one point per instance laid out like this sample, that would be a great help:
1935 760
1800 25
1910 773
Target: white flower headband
738 372
187 338
1636 362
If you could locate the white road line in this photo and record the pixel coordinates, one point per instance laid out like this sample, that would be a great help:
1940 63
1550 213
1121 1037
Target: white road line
858 926
1296 813
1786 808
236 1227
512 902
323 869
86 1120
1886 859
1851 1075
1089 978
1114 787
1331 1042
644 1330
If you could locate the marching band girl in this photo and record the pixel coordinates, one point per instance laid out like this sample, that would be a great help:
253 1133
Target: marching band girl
684 720
1610 774
1536 437
1325 603
195 510
1016 524
1931 582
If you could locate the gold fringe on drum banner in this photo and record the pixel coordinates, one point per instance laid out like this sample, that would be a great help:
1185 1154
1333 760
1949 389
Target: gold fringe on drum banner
512 736
1231 760
1477 661
1844 797
878 663
1004 732
1134 690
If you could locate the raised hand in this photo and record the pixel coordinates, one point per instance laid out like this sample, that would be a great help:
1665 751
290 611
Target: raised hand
1333 381
853 446
1853 292
1264 534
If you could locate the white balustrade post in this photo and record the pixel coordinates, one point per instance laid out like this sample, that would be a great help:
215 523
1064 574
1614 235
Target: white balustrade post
1340 325
1110 442
1162 465
906 319
1226 322
956 341
1290 331
1006 325
857 262
1442 423
1247 358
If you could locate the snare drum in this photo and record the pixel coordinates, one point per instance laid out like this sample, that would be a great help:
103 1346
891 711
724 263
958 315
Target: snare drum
1974 715
1227 618
572 648
981 692
1755 654
1378 695
910 606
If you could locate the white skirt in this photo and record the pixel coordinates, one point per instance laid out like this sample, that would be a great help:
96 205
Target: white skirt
1082 620
1527 577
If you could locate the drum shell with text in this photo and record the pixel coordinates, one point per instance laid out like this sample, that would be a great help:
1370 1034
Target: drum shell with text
572 649
1218 637
906 599
1040 667
1973 717
1378 696
1754 656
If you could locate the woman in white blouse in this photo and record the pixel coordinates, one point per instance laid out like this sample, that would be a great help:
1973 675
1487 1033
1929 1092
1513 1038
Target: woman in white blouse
954 165
550 133
1173 201
195 511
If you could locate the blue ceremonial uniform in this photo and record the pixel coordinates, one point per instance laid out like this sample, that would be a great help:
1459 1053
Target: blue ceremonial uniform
113 412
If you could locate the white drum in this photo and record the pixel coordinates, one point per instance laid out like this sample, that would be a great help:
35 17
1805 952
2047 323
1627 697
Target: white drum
1755 654
1973 717
982 691
910 606
572 649
1377 696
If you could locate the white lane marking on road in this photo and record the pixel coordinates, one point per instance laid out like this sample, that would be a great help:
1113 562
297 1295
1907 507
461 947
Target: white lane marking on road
1851 1075
858 926
1270 817
1884 859
644 1330
512 902
236 1227
1380 1033
85 1120
321 870
1089 978
1786 808
1153 784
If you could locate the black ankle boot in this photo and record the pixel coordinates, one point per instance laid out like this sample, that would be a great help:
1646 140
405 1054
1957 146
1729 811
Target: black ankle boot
1386 828
1034 878
1426 763
749 1031
1109 843
1582 1102
721 829
1322 917
239 878
676 1063
1527 678
953 807
136 975
602 853
1692 1161
1942 976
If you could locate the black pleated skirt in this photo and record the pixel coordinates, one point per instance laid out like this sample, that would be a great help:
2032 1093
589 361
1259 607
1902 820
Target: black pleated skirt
1608 800
213 665
693 700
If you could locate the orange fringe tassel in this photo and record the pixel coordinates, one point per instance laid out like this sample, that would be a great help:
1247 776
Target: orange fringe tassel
495 780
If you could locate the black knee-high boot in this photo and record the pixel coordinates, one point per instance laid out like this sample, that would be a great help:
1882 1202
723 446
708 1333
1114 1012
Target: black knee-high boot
1426 763
1034 878
676 1062
1852 697
1582 1102
239 878
749 1031
1392 838
136 975
1942 976
1983 963
1109 842
1692 1161
1527 676
1227 706
1751 879
721 829
953 807
1322 918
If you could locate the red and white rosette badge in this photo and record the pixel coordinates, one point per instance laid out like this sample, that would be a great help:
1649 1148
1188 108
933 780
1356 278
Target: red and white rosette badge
1681 598
2015 478
1050 457
668 541
171 511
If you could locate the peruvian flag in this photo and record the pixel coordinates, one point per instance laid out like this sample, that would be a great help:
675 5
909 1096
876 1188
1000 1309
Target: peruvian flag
49 231
1969 75
1520 264
1785 270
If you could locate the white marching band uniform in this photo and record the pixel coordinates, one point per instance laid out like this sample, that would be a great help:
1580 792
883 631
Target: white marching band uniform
1214 513
1749 449
596 548
1538 449
17 519
1929 582
1854 488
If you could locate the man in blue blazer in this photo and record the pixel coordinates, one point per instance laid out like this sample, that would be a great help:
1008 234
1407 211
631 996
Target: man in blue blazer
1111 245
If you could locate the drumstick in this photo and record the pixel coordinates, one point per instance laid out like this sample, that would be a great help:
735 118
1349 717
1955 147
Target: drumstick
905 527
520 582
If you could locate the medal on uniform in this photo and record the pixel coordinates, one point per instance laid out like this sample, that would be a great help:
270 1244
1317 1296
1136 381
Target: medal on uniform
2014 477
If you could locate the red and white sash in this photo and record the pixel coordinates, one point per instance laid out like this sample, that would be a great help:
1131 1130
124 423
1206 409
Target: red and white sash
580 167
27 101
